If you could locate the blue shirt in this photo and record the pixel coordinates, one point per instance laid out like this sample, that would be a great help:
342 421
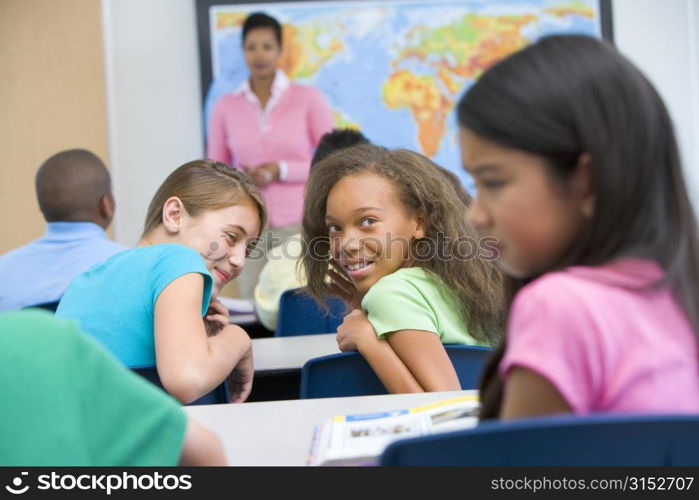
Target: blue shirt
115 301
40 271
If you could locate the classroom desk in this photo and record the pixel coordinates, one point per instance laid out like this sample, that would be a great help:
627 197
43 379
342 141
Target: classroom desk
278 362
290 353
281 432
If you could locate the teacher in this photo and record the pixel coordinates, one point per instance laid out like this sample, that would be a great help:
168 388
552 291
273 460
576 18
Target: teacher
269 128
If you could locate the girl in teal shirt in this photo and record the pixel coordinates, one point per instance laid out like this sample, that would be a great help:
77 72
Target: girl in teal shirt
151 305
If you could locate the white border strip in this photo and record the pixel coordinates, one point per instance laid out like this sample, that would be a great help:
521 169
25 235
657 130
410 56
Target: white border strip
112 129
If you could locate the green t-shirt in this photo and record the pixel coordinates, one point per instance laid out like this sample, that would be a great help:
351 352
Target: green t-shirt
415 299
67 401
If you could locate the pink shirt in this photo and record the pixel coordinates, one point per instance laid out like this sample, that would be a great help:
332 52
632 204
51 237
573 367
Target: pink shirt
604 342
286 131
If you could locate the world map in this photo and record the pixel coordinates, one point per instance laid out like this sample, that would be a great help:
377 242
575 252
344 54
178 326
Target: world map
395 69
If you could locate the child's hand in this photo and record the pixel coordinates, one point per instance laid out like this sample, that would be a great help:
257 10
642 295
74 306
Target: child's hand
240 379
355 332
263 174
343 287
217 317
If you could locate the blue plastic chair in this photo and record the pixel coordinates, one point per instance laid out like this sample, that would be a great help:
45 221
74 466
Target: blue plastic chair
596 440
299 314
217 396
348 374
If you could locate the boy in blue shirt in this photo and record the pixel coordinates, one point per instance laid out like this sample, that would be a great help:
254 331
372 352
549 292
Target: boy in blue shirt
75 196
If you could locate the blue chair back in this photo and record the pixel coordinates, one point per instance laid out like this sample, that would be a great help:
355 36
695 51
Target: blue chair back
596 440
348 374
300 314
217 396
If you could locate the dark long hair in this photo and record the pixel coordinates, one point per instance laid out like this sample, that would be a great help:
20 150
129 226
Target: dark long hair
568 95
424 189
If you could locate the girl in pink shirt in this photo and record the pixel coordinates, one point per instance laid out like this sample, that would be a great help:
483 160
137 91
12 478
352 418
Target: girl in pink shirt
579 179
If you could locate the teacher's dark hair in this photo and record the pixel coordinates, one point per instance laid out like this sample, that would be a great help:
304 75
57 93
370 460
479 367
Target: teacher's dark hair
568 95
261 20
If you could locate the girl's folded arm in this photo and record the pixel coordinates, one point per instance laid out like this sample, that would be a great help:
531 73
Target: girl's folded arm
189 363
410 361
392 372
357 334
423 354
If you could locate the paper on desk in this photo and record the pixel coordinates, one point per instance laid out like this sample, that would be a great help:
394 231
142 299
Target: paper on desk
238 306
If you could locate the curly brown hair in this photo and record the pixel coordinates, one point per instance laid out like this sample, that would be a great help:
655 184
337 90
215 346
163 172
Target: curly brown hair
428 192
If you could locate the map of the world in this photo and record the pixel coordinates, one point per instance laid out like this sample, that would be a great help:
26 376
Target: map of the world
395 69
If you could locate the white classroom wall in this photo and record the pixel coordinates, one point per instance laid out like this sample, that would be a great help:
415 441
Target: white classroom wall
154 96
662 38
153 100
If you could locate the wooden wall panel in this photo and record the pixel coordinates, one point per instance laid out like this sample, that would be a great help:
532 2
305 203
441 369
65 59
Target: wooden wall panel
52 98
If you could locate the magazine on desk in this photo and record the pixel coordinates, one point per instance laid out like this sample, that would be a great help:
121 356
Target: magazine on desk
360 439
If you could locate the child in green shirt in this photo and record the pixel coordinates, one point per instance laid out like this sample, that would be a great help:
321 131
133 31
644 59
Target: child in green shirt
389 228
67 401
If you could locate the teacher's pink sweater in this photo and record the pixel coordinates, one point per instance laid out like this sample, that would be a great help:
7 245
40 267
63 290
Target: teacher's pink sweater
242 134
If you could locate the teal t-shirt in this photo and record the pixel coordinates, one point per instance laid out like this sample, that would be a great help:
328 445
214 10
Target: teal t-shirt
413 298
67 401
115 301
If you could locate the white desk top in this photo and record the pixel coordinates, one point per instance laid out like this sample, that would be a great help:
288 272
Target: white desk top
290 353
281 432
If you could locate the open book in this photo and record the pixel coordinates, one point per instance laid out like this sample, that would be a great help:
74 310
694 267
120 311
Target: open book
360 439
